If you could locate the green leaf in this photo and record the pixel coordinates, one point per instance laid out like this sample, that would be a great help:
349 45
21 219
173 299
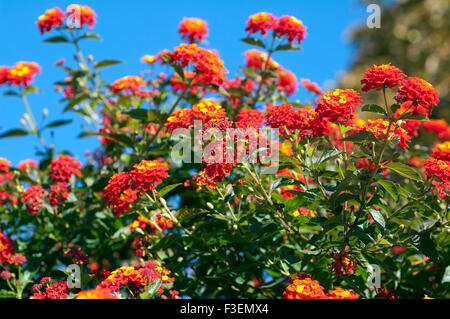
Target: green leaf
10 93
138 114
379 219
423 242
58 123
121 138
151 289
15 132
75 101
105 63
56 39
390 187
254 41
185 214
155 116
7 294
165 190
360 137
91 35
404 170
410 116
288 47
374 109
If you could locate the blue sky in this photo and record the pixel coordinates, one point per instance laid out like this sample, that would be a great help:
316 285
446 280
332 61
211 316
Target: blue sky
131 29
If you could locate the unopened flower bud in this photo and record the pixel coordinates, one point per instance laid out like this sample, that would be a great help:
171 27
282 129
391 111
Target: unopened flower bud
163 201
209 205
45 112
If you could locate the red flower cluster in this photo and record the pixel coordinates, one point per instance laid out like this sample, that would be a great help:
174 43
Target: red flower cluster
311 86
343 264
249 118
58 290
26 165
52 18
437 168
339 105
21 74
82 15
62 169
130 85
421 95
125 188
382 76
246 85
292 27
76 255
306 120
261 22
205 111
285 25
33 198
208 66
193 29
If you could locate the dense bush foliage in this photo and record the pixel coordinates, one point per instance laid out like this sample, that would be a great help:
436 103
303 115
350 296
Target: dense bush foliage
351 202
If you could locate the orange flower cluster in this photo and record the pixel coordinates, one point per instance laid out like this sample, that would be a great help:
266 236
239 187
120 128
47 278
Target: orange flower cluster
304 287
33 198
97 293
125 188
441 151
148 59
178 84
382 76
438 127
136 278
51 18
159 220
261 22
82 14
256 60
343 264
340 293
420 94
6 248
303 212
21 74
130 85
379 127
207 65
285 25
287 82
339 105
205 111
311 86
193 29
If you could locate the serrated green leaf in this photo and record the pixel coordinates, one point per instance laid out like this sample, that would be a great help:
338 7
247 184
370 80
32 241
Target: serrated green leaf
15 132
360 137
390 187
56 39
58 123
165 190
185 214
288 47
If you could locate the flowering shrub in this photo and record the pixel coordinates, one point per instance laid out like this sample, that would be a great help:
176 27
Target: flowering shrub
355 208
